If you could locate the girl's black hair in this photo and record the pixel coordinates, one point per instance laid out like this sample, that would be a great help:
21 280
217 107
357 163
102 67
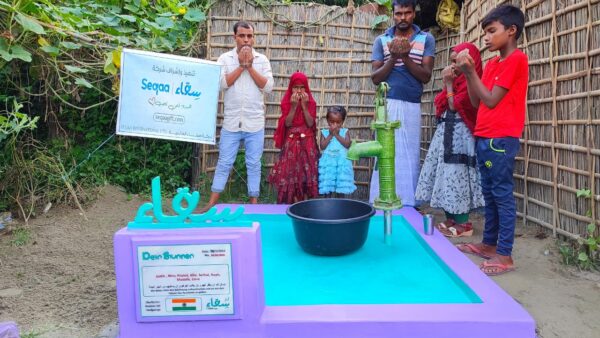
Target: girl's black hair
336 110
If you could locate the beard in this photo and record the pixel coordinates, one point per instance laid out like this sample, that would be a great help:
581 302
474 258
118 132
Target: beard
403 26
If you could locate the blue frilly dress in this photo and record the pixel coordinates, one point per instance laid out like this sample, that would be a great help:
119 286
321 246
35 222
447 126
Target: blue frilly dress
335 170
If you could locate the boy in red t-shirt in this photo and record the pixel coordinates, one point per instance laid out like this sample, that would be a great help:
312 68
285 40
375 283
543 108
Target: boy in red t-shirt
501 96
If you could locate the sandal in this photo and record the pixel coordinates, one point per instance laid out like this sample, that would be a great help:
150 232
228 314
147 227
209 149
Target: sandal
470 248
499 268
445 225
458 230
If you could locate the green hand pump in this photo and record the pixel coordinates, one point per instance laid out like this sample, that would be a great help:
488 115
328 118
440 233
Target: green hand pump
384 148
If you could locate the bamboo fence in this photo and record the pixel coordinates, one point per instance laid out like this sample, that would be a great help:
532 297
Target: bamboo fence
560 151
332 47
560 146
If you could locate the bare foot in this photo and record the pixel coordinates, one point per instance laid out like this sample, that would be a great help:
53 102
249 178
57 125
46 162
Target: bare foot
214 198
253 200
205 208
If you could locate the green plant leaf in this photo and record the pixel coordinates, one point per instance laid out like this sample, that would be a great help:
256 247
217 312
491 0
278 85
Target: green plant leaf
109 20
4 50
129 18
51 50
132 8
74 69
194 15
116 57
123 40
165 23
379 20
83 82
583 257
18 52
125 30
70 45
30 24
109 66
584 193
591 228
592 243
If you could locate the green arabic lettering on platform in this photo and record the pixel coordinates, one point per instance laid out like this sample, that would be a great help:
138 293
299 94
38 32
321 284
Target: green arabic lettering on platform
215 303
184 217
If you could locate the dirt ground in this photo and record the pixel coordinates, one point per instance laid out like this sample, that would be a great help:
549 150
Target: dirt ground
62 283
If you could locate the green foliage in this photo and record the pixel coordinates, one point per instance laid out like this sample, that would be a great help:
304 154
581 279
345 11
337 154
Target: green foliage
380 19
341 3
21 237
59 71
59 28
585 252
59 63
32 334
12 121
132 163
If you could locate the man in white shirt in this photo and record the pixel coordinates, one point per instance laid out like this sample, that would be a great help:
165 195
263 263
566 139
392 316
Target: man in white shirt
245 76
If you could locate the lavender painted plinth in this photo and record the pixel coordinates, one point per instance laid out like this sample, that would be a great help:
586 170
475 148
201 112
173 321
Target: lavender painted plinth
498 315
247 284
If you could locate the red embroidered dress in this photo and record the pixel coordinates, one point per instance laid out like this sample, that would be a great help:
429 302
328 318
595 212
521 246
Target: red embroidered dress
295 174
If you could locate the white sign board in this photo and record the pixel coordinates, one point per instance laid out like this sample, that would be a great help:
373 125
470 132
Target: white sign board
168 97
185 280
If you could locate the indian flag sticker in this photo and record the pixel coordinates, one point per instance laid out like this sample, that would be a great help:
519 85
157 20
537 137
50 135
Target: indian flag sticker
183 304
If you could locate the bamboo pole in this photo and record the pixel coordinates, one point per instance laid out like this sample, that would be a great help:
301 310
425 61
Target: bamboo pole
589 131
553 71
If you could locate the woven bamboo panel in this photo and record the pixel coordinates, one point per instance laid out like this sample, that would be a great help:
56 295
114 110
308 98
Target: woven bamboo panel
560 150
330 46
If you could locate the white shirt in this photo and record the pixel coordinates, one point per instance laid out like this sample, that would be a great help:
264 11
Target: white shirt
244 107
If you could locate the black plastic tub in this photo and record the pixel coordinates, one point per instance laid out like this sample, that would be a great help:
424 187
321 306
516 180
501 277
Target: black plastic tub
331 227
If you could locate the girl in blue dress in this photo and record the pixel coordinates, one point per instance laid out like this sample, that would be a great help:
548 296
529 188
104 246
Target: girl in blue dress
335 170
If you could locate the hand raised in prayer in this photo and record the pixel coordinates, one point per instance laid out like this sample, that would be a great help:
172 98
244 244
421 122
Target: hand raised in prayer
404 47
465 62
295 98
245 57
449 74
394 48
399 48
303 99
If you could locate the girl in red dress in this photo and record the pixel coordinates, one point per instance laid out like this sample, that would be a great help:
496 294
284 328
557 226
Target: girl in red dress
295 174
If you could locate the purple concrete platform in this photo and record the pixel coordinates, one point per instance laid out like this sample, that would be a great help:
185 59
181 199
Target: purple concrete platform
498 316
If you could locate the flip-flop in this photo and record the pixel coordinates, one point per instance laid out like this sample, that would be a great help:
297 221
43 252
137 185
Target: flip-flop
470 248
501 268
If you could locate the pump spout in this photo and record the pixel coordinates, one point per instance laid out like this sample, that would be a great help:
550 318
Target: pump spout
364 149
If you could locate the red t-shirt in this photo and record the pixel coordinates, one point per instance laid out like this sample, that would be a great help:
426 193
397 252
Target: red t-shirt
508 117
